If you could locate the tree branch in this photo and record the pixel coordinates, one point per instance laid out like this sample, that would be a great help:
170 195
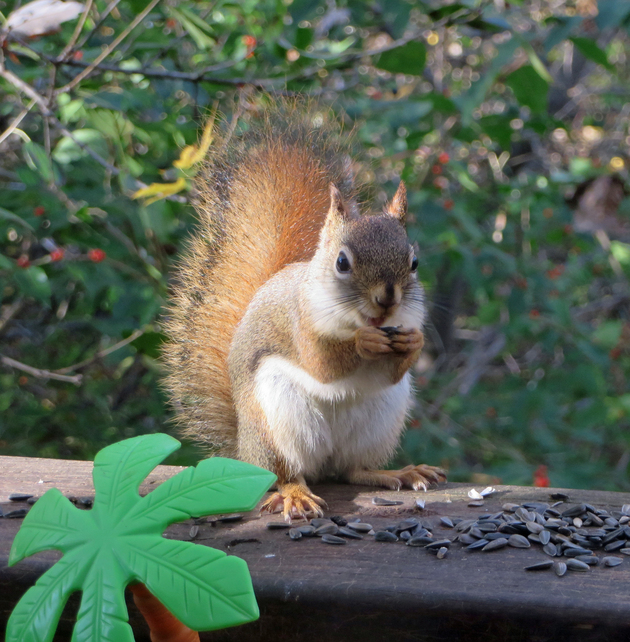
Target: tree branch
40 374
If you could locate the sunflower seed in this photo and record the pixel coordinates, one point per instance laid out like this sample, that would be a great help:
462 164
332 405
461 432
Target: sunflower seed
276 526
420 503
496 544
476 503
230 518
333 539
560 568
327 529
610 560
563 497
518 541
442 553
551 549
360 527
16 514
320 521
575 551
437 545
480 543
615 546
576 565
307 530
591 560
349 533
194 531
545 537
625 509
446 521
295 533
32 500
419 541
385 536
340 521
540 566
382 501
624 551
19 497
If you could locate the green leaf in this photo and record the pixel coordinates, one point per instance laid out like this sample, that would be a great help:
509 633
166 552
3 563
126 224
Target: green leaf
38 160
68 150
209 589
213 486
529 88
406 59
33 281
120 541
589 49
35 617
101 587
53 522
120 468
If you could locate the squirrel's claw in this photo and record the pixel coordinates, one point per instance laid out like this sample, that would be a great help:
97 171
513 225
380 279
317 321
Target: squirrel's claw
414 477
295 500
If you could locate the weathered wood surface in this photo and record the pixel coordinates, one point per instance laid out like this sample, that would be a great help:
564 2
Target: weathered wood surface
367 590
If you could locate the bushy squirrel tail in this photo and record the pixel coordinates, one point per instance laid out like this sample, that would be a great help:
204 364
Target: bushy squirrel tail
263 197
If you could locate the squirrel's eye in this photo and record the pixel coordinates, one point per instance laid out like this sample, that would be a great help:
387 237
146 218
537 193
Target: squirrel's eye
414 264
343 265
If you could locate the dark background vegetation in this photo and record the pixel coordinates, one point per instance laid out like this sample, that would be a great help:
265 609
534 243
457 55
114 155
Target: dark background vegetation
508 122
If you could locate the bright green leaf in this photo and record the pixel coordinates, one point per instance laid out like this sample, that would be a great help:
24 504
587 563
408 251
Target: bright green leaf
529 88
406 59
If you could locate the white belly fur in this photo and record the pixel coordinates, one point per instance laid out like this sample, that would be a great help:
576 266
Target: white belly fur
330 428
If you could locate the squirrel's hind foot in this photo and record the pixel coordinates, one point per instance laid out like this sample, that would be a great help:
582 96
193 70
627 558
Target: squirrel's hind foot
414 477
294 500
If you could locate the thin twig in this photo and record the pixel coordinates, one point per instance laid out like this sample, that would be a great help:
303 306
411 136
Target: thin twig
81 75
110 7
40 374
102 353
77 32
10 311
16 121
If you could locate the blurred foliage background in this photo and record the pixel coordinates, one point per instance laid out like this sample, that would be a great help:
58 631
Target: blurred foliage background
508 122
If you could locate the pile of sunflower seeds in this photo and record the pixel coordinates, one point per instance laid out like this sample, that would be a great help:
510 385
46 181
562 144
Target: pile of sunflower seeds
572 533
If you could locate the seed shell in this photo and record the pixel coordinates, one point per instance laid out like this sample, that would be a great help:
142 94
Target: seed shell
333 539
382 501
349 533
496 544
276 526
446 521
518 541
340 521
295 533
560 568
419 541
360 527
194 531
442 553
576 565
385 536
19 497
320 521
437 545
551 549
611 560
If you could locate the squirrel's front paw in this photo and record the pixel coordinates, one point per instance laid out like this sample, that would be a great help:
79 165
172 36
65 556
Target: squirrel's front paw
407 340
372 342
294 500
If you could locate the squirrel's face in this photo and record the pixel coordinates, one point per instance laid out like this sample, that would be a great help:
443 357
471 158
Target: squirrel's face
365 270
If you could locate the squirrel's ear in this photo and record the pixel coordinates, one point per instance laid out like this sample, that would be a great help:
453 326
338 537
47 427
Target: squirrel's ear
398 205
338 210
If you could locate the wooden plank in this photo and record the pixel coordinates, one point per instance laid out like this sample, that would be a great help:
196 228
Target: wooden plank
369 590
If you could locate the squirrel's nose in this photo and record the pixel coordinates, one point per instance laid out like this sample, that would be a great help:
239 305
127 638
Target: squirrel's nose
388 297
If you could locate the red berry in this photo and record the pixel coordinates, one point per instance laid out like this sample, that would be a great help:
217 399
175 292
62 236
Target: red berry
23 261
77 55
39 210
448 204
436 169
171 22
615 353
249 41
57 255
534 314
443 158
96 255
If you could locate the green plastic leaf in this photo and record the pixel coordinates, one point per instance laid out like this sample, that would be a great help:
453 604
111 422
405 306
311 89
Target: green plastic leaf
38 160
406 59
589 49
194 573
529 88
120 541
35 617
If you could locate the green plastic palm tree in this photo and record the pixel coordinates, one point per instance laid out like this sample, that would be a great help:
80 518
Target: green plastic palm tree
120 541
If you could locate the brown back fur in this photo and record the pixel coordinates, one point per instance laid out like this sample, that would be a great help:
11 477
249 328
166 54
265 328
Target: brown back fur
263 198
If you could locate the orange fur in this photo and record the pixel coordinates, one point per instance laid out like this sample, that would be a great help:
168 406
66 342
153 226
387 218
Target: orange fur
262 201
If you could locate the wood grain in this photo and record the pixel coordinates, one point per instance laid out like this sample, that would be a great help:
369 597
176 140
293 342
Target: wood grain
367 590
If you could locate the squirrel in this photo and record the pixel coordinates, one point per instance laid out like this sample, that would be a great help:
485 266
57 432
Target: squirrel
295 318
